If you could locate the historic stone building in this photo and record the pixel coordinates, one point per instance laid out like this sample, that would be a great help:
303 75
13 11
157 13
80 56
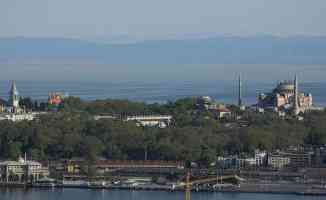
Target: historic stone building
286 96
21 171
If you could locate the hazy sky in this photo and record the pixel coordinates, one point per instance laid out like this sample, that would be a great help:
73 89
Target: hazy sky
155 19
152 19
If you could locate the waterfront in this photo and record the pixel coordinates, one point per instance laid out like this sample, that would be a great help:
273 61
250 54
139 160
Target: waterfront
160 91
81 194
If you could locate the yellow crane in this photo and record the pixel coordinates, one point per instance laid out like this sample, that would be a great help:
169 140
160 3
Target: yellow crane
188 185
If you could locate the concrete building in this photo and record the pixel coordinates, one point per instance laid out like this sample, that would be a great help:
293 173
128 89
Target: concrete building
161 121
278 161
22 171
78 166
233 162
297 158
17 117
260 158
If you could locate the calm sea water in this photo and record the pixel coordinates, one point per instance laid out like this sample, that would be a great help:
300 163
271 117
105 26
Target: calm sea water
80 194
160 91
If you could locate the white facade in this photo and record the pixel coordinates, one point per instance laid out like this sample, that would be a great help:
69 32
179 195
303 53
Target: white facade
278 161
21 171
161 121
260 157
18 117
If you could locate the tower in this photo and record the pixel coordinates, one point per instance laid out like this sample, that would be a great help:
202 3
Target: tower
239 92
296 109
13 96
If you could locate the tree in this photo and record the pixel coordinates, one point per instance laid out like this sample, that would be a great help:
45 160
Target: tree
14 150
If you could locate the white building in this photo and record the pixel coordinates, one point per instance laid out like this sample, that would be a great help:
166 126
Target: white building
260 158
22 171
278 161
161 121
17 117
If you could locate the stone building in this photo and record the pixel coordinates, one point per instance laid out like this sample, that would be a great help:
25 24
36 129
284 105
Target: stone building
286 96
22 171
11 110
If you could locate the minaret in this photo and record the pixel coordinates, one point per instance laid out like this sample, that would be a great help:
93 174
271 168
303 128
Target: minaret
296 109
14 96
240 92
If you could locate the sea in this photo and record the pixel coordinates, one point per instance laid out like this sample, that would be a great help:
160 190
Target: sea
85 194
224 91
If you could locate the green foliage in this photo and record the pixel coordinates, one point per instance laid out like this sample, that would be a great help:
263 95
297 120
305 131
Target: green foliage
27 103
195 135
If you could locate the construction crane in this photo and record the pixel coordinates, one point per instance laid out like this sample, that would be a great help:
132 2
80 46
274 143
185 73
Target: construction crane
188 184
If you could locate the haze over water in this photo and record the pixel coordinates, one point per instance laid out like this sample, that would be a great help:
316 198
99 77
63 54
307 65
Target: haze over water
157 91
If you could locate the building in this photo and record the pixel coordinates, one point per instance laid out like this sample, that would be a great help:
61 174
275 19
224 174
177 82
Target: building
161 121
278 161
78 166
207 103
56 98
222 112
260 158
12 110
234 162
22 171
17 117
298 158
286 96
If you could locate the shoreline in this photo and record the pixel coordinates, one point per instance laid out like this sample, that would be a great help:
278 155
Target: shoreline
287 190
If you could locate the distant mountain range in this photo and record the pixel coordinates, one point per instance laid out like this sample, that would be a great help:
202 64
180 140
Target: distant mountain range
217 50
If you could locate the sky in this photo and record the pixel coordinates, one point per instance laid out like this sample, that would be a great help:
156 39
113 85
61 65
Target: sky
164 19
134 20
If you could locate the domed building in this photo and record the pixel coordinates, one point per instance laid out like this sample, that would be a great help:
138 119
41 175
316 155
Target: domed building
286 96
11 110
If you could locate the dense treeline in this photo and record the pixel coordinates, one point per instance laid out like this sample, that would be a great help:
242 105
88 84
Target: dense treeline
195 135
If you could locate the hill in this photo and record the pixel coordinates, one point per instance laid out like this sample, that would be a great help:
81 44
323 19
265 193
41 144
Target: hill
217 50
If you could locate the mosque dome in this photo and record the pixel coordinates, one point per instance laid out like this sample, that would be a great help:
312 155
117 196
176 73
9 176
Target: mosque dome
285 87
